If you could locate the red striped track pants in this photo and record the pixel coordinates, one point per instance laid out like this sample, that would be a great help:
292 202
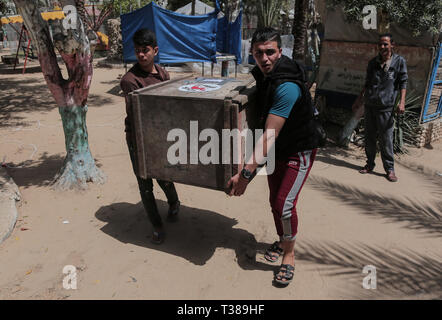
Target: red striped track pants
285 184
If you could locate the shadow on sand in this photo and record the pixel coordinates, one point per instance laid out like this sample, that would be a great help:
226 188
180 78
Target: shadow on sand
39 172
194 237
30 95
418 215
402 271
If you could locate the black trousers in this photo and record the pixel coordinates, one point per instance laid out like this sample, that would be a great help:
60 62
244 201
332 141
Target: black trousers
379 124
146 192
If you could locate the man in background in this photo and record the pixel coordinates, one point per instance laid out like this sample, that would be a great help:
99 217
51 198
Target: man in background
145 73
386 78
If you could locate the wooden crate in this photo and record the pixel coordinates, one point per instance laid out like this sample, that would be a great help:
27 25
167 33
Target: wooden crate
160 108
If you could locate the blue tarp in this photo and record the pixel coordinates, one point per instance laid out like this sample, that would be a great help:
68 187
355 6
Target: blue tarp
228 36
182 38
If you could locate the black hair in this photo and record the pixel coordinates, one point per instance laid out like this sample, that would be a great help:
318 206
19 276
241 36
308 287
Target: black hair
266 34
388 35
145 37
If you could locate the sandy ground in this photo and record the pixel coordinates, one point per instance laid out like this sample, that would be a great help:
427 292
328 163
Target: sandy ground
347 220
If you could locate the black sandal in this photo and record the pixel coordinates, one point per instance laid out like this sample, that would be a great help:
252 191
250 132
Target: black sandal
172 214
273 252
287 274
158 237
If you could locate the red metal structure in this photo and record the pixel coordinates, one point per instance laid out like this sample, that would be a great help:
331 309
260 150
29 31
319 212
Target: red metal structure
23 29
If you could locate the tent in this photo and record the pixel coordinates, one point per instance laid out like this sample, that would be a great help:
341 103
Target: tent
182 38
228 34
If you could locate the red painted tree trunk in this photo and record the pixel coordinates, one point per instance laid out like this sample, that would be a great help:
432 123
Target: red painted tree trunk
70 94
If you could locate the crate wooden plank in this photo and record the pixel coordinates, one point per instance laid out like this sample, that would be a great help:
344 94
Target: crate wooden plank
161 108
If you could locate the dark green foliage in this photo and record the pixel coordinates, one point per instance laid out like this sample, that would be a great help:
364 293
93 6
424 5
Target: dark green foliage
2 6
407 124
268 12
126 6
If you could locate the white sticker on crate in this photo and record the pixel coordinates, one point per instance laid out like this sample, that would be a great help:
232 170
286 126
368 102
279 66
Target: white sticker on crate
199 87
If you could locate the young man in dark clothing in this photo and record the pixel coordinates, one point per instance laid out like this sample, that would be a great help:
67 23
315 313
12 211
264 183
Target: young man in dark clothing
144 73
386 77
287 117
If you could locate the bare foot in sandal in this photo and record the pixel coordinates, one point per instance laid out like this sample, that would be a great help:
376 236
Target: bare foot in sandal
285 274
287 269
273 253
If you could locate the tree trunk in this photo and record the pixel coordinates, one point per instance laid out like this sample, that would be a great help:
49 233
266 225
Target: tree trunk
79 165
300 30
383 22
350 126
71 94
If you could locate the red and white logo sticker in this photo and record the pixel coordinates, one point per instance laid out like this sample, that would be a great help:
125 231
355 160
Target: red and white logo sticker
199 87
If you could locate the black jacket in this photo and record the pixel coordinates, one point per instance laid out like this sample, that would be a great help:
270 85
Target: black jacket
382 86
298 133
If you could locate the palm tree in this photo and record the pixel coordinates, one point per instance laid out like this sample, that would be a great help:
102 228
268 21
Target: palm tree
268 12
300 29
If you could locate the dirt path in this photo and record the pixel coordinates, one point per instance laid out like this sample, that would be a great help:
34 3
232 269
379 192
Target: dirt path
347 220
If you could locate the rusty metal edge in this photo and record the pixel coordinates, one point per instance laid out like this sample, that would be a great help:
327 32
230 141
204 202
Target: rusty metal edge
227 168
136 111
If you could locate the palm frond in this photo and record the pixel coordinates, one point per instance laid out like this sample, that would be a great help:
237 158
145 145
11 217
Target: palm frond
406 125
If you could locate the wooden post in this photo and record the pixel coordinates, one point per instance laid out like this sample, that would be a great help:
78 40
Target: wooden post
225 68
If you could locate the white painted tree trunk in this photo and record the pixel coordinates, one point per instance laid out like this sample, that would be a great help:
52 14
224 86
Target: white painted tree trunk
79 165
